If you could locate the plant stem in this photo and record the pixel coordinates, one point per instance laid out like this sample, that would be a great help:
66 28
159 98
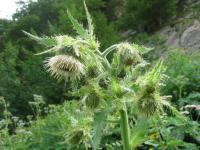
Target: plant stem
125 129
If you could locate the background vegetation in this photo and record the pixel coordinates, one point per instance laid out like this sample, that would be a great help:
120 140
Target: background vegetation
22 73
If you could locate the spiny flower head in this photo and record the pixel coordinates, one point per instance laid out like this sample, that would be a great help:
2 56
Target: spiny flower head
116 88
92 94
92 101
148 104
76 136
64 66
128 54
92 71
147 87
94 45
152 80
148 99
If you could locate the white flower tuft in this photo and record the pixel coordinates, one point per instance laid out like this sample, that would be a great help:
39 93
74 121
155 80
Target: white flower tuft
64 66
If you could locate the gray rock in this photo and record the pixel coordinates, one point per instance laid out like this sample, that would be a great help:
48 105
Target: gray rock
190 38
171 36
180 36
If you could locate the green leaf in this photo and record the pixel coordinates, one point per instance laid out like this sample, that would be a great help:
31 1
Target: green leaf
98 125
142 49
150 143
78 27
47 41
109 147
138 133
176 142
89 19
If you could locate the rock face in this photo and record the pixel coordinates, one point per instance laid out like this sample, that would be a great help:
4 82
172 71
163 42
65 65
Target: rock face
190 38
182 37
171 36
185 32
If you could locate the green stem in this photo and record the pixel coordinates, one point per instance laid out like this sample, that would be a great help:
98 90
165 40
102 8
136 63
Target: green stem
108 50
125 129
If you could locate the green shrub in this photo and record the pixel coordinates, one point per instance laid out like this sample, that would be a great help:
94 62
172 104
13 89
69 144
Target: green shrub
184 74
54 131
148 14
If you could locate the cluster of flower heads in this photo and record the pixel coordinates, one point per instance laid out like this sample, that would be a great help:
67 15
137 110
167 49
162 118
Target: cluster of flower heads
79 56
106 84
73 59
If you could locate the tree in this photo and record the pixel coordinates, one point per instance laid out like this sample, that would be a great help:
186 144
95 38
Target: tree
148 15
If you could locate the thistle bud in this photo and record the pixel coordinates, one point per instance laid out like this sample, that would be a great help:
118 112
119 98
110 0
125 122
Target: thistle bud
64 66
148 87
128 54
147 105
116 88
76 136
92 101
92 71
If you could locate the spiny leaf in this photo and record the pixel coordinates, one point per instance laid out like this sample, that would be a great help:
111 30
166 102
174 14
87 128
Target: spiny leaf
47 51
138 133
89 19
173 110
156 73
142 49
98 125
78 27
47 41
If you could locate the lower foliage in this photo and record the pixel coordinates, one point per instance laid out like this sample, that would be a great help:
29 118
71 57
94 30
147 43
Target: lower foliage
62 128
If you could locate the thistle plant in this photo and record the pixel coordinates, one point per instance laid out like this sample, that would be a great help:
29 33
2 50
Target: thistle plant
114 90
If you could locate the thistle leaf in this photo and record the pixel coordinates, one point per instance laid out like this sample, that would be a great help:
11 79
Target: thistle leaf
138 133
47 51
98 125
142 49
78 27
47 41
155 75
89 19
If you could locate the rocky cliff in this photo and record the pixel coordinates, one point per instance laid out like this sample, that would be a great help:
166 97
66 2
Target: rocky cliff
184 32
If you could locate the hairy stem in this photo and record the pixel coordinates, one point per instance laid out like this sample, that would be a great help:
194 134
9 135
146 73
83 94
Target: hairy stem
125 133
